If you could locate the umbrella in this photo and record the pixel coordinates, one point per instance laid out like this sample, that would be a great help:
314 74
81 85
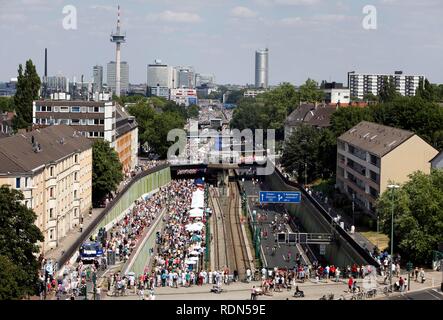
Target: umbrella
196 237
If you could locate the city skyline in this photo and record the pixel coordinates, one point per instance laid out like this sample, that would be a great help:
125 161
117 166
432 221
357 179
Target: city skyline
221 38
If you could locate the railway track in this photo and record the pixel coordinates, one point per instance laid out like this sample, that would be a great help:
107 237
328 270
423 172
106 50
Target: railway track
219 236
239 257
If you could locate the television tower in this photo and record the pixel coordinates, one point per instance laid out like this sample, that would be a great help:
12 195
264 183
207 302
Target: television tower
118 39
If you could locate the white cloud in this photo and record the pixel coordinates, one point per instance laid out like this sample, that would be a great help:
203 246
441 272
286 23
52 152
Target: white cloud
12 18
288 2
291 21
243 12
104 8
173 16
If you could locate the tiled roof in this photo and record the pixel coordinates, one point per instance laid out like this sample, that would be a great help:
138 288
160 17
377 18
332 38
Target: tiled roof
375 138
17 153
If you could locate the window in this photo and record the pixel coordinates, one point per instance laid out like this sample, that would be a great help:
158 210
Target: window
75 213
64 109
84 109
75 109
37 108
96 109
55 109
51 192
102 134
75 176
64 121
102 109
76 158
83 122
91 109
26 182
17 183
51 213
90 122
75 194
51 234
75 122
102 121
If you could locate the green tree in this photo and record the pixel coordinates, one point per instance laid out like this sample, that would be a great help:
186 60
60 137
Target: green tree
193 111
310 93
249 114
6 104
388 91
154 124
18 246
301 152
345 118
426 91
418 215
106 170
414 114
28 86
234 96
369 97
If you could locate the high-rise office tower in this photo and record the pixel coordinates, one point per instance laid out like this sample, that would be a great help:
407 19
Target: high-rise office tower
97 73
261 68
112 75
185 77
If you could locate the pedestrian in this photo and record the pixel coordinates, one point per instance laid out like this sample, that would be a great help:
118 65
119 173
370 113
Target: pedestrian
422 275
350 284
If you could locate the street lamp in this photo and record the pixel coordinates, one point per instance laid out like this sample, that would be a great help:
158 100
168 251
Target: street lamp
353 209
392 187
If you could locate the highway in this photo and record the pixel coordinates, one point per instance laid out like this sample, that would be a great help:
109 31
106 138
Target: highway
279 258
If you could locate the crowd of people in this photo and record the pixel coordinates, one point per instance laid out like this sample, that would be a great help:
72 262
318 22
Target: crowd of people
178 251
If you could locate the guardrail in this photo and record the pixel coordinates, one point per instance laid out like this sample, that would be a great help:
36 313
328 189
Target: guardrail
92 226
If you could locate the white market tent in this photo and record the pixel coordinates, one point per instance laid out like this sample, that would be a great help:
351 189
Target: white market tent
196 213
198 226
198 199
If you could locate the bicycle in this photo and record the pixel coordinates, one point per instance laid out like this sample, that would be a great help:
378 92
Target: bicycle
371 293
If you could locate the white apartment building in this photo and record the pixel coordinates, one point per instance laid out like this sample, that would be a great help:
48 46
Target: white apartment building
361 84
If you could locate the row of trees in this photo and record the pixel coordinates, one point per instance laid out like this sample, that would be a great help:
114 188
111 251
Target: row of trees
156 117
409 113
270 109
418 215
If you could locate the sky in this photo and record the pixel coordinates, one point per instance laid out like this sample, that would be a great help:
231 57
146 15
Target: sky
319 39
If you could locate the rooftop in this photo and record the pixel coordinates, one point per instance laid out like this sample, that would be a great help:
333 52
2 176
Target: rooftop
375 138
18 154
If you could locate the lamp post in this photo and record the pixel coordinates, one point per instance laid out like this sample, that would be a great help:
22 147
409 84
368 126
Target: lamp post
353 209
392 187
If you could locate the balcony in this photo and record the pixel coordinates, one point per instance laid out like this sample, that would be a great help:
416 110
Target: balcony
357 168
357 182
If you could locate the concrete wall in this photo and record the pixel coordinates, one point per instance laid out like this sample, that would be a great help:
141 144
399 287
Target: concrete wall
140 187
340 253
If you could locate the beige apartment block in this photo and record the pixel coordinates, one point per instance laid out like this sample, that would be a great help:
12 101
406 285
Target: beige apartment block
372 156
53 169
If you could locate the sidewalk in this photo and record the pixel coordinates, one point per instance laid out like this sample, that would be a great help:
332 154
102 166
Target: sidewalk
71 237
242 291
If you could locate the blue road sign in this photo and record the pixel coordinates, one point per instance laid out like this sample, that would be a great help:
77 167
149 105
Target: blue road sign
280 197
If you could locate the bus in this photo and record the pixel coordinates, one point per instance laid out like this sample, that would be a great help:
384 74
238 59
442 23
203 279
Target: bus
89 251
